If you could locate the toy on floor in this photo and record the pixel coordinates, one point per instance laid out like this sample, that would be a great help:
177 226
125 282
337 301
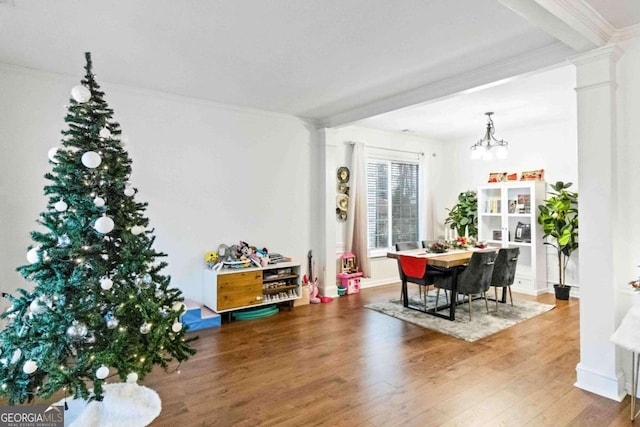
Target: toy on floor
311 281
313 290
350 276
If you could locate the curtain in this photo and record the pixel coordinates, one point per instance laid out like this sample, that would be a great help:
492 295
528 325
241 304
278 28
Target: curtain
356 242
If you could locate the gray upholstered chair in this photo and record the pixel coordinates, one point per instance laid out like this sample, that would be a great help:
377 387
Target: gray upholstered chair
474 279
404 246
504 271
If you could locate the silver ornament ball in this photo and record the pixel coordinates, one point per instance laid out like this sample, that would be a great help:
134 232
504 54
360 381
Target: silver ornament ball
112 323
145 328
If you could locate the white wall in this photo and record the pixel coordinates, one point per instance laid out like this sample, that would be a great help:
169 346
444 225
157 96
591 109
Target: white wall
211 174
385 270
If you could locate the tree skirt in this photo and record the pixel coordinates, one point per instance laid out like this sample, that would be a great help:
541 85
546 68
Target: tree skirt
124 405
481 325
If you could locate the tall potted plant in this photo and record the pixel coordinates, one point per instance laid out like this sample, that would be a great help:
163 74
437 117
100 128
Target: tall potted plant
559 219
463 215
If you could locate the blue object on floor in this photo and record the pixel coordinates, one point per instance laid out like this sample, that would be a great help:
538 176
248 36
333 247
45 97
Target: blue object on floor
197 317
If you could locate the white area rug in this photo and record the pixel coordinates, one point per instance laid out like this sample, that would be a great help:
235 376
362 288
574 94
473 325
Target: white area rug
481 323
124 405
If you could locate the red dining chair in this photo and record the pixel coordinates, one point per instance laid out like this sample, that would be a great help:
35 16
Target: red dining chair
415 270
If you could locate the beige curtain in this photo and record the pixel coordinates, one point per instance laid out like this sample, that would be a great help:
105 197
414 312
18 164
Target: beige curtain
357 212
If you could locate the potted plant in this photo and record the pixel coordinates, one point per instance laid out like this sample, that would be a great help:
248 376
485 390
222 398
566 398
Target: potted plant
463 217
559 219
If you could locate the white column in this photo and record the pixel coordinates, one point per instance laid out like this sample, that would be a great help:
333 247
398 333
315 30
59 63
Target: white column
326 259
599 369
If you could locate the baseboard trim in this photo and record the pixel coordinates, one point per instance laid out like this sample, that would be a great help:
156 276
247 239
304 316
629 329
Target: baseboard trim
602 385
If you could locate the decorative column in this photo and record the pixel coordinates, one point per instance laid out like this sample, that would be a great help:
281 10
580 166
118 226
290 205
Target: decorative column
599 369
326 258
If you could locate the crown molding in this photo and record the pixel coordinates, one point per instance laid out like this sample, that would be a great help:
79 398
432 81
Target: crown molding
626 34
131 90
579 12
535 60
611 52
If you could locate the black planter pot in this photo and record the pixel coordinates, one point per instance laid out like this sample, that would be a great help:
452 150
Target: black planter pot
562 292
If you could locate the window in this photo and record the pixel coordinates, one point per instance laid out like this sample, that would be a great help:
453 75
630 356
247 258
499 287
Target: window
392 199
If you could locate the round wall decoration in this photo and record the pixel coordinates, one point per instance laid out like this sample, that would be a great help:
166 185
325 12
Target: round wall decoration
343 174
342 201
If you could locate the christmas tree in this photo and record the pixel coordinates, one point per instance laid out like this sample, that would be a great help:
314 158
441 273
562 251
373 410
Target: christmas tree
100 306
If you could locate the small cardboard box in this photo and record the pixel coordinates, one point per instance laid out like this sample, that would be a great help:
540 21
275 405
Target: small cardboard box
304 300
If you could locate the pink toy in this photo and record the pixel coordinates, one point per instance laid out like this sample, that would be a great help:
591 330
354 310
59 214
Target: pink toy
350 276
313 292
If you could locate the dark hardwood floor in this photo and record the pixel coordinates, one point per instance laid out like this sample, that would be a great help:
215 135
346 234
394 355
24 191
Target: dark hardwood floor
339 364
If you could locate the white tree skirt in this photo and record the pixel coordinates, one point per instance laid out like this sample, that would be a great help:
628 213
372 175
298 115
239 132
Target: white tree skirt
124 405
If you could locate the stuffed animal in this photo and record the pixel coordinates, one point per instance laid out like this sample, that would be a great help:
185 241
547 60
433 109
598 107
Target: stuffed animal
248 253
263 256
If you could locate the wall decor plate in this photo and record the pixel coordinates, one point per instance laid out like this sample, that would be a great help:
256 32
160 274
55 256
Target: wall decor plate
342 201
343 174
342 188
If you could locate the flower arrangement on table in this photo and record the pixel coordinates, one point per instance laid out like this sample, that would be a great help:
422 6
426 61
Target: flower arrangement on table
466 243
439 247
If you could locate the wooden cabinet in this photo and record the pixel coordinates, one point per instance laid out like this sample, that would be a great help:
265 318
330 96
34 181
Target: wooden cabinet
235 289
241 289
508 217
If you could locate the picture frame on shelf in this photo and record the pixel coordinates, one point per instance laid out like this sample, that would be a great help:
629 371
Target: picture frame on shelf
524 203
513 206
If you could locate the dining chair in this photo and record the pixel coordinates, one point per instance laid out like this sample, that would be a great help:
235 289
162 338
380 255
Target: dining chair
504 271
403 246
422 291
427 243
414 270
473 279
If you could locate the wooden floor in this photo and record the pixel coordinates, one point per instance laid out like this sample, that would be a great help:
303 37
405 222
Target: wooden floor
339 364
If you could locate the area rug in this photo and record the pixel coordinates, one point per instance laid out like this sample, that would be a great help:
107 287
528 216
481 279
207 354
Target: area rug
481 324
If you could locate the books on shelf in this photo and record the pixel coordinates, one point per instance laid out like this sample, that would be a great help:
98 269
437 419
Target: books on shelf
492 206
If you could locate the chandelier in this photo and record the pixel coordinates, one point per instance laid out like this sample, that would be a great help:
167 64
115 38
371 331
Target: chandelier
483 148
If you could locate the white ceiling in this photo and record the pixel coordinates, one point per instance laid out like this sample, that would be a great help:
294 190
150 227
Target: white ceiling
317 59
525 101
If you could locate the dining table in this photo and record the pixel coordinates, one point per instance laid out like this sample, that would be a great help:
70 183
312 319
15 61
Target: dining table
450 261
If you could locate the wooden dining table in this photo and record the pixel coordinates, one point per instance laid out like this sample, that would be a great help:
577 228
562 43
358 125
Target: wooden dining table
448 260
